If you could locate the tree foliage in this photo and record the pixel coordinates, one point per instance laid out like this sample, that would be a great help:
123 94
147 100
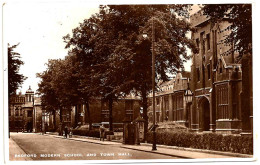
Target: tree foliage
15 79
240 17
115 56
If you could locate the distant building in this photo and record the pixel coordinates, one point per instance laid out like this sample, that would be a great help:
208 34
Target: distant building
128 107
25 112
170 104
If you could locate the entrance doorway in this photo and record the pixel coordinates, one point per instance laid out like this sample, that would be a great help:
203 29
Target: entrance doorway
205 114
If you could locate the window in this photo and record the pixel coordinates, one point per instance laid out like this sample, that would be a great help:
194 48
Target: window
220 69
16 111
198 74
202 42
203 47
208 41
208 68
157 101
179 107
222 101
29 113
197 42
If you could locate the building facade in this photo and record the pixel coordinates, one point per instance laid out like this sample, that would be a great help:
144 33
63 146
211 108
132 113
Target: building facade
216 78
25 113
170 103
74 116
216 84
128 107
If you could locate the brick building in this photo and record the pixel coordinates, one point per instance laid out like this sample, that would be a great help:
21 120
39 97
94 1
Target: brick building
216 79
25 112
125 107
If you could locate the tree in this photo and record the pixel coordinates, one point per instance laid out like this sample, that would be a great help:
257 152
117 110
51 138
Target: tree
240 17
82 44
49 101
15 79
132 54
118 58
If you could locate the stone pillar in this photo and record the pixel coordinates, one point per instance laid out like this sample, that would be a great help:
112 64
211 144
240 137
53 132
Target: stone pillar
170 108
197 116
247 95
184 110
212 110
161 109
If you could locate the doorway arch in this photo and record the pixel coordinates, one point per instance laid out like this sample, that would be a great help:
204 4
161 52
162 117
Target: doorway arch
204 114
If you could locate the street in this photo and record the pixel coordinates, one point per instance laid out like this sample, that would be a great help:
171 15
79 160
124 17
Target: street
40 147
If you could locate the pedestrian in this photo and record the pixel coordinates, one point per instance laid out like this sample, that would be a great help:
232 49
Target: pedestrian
70 133
102 132
66 131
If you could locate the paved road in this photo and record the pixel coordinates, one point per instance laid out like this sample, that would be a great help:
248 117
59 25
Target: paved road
39 147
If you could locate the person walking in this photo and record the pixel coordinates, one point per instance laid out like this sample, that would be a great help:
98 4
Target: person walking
102 132
66 131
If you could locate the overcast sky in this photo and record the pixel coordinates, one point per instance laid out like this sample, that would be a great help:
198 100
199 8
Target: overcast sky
39 28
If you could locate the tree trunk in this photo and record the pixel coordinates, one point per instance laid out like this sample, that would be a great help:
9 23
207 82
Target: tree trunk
110 107
54 120
61 114
88 113
76 116
61 123
145 106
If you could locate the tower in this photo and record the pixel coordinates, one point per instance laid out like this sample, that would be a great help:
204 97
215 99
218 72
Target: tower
28 110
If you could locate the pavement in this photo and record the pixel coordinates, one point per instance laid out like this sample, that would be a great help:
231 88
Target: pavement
185 153
15 150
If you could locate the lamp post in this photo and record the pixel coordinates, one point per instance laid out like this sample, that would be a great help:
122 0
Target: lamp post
153 83
188 93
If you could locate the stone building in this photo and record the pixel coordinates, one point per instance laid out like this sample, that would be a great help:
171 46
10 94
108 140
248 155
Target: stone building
216 79
25 112
170 104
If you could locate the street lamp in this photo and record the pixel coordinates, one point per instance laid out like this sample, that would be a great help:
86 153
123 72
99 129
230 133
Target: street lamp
188 94
153 83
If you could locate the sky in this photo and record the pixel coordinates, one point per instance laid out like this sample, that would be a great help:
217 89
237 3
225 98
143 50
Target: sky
39 28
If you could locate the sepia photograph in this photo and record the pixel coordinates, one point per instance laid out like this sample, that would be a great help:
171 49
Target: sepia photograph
100 82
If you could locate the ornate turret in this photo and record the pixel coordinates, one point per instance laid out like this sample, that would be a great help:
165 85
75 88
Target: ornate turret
29 95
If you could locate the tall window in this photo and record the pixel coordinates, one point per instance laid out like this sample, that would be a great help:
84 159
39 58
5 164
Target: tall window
179 106
202 42
220 66
197 42
21 111
198 74
208 68
208 41
222 101
16 111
